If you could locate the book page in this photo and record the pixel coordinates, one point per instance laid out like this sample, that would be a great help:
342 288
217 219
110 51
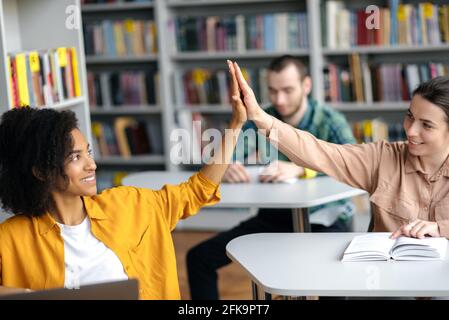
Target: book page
429 248
371 246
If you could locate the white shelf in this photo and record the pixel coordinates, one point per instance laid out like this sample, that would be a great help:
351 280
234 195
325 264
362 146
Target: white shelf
385 49
120 60
133 160
116 7
196 3
250 54
126 110
43 25
67 104
369 107
204 108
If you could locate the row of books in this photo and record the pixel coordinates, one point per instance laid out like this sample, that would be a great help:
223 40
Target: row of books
373 130
125 137
43 78
123 88
211 86
270 32
121 38
403 24
390 82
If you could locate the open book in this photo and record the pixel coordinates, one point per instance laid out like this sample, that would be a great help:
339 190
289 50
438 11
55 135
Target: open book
379 246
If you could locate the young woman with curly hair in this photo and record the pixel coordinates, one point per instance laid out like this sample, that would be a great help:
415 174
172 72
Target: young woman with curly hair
64 234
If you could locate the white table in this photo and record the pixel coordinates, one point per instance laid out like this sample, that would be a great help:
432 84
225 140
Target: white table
309 264
298 196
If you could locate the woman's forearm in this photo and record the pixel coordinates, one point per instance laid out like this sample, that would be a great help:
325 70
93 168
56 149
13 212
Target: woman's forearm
218 164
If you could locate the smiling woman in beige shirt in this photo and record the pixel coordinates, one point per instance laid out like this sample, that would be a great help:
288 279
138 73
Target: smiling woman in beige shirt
408 181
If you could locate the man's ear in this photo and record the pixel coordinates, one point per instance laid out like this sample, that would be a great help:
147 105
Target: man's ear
37 174
307 85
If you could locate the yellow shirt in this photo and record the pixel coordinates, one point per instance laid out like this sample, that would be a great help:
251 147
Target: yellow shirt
135 223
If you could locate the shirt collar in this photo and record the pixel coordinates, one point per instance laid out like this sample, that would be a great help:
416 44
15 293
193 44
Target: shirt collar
45 223
307 117
412 164
94 211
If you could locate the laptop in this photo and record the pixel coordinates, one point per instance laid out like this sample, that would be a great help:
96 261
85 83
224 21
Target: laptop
119 290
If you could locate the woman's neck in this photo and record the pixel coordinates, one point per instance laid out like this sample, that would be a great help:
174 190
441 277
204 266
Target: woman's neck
432 164
68 210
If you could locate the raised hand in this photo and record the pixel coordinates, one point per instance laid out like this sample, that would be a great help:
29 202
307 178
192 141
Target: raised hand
253 110
252 107
238 109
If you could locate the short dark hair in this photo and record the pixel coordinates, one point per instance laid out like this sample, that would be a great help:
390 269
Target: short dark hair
34 144
280 63
436 91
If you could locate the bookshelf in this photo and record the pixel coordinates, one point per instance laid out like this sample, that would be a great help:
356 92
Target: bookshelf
25 26
172 62
147 60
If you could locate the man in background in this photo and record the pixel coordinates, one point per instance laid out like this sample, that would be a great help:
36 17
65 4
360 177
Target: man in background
289 86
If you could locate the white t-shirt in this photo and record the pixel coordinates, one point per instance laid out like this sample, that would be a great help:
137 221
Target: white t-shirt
88 260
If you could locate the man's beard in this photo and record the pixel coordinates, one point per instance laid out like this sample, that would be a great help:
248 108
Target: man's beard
296 110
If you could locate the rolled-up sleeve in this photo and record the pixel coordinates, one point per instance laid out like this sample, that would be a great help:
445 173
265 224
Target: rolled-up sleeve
355 165
187 198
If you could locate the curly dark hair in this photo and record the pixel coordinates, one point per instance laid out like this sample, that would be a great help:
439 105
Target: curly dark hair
34 144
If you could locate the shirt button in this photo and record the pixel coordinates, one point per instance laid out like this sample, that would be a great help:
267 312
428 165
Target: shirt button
425 208
127 268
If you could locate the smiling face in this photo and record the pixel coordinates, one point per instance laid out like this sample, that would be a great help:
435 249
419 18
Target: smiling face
79 168
427 129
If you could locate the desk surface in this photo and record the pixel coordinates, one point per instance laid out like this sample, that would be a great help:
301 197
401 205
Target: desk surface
302 194
309 264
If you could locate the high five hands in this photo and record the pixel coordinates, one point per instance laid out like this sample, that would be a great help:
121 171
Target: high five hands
241 89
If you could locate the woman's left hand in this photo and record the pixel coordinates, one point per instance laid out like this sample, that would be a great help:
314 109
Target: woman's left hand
418 229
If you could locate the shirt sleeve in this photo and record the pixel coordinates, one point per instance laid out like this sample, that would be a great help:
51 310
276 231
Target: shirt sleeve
355 165
184 200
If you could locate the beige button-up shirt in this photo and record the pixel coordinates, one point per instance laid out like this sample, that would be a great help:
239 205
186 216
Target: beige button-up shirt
400 189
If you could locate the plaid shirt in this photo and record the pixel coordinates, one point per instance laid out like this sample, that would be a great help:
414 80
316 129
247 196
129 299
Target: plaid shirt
323 122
